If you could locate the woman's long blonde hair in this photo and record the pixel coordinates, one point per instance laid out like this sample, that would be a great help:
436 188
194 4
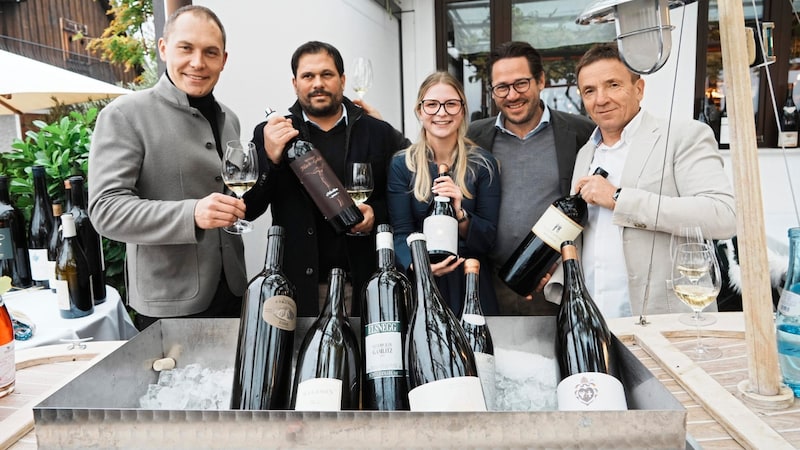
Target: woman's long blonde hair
419 154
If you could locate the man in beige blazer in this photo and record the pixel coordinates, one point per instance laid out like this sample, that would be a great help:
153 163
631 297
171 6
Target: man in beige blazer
661 176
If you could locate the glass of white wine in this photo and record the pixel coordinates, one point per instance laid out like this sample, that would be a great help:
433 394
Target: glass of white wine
691 234
239 172
360 74
359 184
696 281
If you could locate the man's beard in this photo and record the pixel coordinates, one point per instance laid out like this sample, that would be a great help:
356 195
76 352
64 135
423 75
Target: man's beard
322 111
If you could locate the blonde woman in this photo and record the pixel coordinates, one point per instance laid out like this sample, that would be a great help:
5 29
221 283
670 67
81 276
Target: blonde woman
473 187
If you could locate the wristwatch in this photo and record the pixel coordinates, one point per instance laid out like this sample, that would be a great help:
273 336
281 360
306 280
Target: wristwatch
616 194
464 216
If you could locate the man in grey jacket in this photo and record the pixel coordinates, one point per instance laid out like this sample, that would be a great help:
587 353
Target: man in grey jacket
155 184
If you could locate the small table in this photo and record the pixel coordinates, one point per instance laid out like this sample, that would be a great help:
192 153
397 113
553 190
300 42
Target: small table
109 321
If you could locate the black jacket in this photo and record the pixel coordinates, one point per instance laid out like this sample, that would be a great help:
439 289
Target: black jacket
367 140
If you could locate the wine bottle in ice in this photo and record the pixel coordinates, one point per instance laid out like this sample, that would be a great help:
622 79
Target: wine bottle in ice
477 331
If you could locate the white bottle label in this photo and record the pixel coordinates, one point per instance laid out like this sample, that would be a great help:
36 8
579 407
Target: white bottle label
555 227
39 266
787 139
7 364
441 232
319 394
486 372
280 311
450 394
724 131
591 391
384 240
383 350
789 304
474 319
62 294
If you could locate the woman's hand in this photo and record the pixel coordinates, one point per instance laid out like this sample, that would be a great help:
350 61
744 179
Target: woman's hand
448 265
447 187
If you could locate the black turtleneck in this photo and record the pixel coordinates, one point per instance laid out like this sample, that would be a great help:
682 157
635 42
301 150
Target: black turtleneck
209 109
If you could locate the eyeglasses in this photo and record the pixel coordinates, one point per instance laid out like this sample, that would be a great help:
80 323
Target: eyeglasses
502 90
432 107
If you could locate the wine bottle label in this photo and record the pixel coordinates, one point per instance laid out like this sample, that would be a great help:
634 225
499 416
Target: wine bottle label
321 184
474 319
62 294
450 394
724 131
280 311
789 304
7 364
383 350
39 266
319 394
555 227
441 232
486 372
787 139
6 244
591 391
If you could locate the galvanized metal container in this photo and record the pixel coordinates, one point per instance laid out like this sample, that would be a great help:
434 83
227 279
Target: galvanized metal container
99 408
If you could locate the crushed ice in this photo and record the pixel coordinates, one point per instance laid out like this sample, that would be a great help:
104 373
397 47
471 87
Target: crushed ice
190 387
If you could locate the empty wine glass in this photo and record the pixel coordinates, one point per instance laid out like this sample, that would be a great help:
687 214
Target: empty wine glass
689 234
359 184
361 76
696 281
239 172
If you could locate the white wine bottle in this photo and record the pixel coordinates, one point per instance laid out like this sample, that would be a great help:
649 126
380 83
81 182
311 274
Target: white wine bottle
584 348
73 281
477 331
441 226
442 375
40 228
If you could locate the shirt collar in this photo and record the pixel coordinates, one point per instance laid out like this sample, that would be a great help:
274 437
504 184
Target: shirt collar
342 118
543 122
629 130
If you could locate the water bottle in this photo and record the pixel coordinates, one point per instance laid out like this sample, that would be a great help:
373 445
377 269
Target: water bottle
787 319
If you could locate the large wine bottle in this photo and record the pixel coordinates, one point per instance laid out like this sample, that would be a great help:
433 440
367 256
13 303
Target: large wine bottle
7 358
789 121
73 280
14 258
538 252
55 239
263 369
477 331
384 322
441 226
40 227
327 377
442 375
89 239
321 183
586 356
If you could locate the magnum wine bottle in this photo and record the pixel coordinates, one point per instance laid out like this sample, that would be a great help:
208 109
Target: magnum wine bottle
441 226
263 369
73 283
538 252
55 239
586 357
7 358
41 226
477 332
442 375
789 121
384 322
327 377
89 239
14 258
321 183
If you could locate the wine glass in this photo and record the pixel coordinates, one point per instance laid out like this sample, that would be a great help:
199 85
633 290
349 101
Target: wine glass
696 281
361 76
359 184
691 234
240 172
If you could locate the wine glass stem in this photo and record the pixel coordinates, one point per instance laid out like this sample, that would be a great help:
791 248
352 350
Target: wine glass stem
699 337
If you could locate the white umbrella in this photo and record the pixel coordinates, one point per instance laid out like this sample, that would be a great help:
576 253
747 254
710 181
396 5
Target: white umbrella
27 85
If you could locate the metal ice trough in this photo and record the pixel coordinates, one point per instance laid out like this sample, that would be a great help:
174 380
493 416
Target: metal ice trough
99 408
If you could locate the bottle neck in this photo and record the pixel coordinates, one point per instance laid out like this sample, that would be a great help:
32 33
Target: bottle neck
76 195
793 271
385 259
4 197
422 271
472 303
274 253
334 302
39 184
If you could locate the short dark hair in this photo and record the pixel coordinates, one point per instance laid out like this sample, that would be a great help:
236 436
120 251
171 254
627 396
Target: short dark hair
515 49
605 50
197 10
313 47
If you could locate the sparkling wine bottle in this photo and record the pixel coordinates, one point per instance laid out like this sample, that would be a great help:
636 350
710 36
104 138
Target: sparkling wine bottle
327 377
442 375
322 184
441 226
477 331
55 239
384 322
89 239
7 358
263 369
787 318
584 350
789 121
539 251
73 281
40 227
14 258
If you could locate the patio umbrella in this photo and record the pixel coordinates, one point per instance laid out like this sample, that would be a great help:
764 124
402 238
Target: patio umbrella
27 85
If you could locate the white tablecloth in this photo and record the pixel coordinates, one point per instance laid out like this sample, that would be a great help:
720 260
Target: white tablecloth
108 322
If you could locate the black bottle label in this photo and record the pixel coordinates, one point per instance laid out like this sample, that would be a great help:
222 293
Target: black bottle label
322 185
6 244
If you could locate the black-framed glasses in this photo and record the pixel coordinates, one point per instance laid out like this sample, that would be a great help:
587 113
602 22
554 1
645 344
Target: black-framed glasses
502 90
432 107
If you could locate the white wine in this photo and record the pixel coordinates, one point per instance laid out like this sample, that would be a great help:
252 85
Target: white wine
240 187
693 273
696 297
359 196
